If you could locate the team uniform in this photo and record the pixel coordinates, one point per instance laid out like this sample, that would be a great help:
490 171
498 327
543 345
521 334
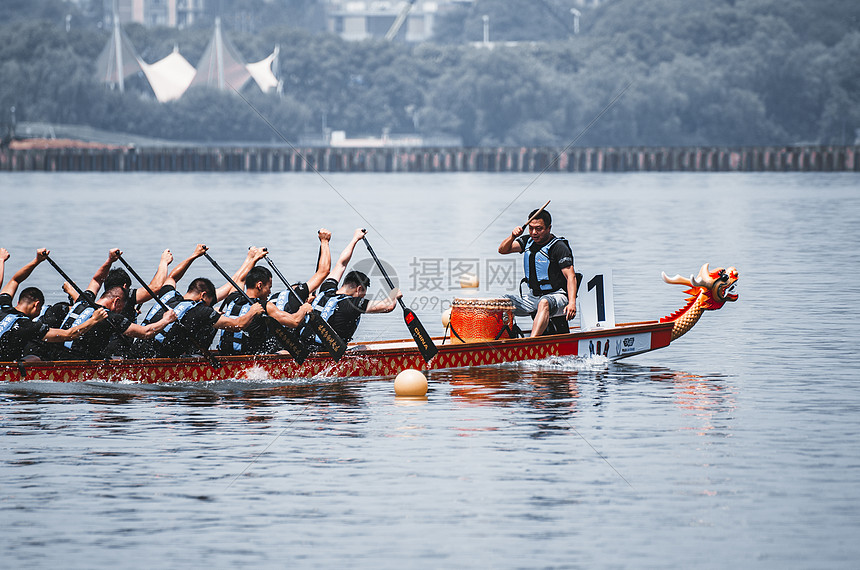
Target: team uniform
542 267
252 340
196 317
94 344
16 330
288 303
118 345
343 312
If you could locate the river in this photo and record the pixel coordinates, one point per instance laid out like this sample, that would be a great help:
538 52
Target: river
737 446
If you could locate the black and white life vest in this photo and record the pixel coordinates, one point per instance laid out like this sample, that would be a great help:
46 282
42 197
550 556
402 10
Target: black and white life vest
180 309
325 304
79 313
235 341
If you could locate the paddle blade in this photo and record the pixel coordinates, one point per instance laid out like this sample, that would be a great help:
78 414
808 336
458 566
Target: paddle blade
425 344
289 341
335 345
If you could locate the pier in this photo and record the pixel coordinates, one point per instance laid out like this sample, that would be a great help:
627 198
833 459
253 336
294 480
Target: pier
391 159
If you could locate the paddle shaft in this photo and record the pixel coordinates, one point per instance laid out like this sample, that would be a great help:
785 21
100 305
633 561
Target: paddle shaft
334 344
382 269
422 340
536 214
292 344
181 326
86 299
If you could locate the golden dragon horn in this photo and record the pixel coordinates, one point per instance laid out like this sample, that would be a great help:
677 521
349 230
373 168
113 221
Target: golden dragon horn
703 279
678 280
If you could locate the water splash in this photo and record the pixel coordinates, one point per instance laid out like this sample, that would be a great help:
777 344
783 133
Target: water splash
591 362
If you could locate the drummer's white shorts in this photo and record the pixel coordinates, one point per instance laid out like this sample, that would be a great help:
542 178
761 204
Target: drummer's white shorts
525 306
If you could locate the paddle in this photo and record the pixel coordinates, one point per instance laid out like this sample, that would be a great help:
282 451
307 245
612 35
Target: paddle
536 214
425 344
335 345
287 339
89 301
203 350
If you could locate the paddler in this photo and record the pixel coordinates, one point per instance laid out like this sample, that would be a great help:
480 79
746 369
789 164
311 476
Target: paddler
549 272
194 310
255 338
134 297
342 305
95 345
286 302
18 331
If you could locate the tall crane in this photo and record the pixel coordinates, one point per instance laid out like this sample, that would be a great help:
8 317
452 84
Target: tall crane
398 22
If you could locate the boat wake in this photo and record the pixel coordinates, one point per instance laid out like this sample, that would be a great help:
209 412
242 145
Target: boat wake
592 362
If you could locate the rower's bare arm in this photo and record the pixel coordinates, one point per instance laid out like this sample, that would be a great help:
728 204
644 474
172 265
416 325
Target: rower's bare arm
149 331
4 255
291 320
157 282
324 263
24 272
346 255
179 271
77 331
510 243
101 273
238 323
385 305
255 254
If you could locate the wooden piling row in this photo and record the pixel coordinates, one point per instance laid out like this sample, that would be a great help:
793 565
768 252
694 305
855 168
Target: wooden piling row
503 159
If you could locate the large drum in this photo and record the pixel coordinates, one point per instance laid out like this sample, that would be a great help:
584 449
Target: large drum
476 320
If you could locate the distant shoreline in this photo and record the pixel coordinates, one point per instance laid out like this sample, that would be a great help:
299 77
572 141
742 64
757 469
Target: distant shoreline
47 155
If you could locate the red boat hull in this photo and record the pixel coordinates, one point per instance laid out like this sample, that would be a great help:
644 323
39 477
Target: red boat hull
386 358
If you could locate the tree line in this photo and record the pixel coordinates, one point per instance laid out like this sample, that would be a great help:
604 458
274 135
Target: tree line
662 72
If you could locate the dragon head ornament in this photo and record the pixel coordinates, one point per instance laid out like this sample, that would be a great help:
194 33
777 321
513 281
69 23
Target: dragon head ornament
709 291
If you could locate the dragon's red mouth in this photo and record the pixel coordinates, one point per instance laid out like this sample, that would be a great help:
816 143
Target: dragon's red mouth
727 291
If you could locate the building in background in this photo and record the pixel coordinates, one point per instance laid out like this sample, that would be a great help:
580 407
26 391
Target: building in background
170 13
405 20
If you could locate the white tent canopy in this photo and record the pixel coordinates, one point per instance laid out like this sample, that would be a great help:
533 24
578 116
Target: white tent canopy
221 66
169 77
261 71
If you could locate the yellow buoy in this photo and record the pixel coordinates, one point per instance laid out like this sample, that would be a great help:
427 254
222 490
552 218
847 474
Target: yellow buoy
410 382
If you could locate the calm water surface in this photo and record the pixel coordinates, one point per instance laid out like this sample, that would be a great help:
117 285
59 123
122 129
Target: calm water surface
737 446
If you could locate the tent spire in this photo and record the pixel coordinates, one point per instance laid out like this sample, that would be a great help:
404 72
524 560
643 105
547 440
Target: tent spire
117 39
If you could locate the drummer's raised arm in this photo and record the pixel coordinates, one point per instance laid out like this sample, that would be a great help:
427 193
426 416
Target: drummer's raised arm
510 243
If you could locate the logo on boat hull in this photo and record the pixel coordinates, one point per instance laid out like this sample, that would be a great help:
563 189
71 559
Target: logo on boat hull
615 346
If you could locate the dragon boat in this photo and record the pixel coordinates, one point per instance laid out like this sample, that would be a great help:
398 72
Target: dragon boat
708 291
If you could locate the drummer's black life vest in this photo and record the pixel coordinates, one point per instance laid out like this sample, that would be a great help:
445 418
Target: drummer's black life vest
541 273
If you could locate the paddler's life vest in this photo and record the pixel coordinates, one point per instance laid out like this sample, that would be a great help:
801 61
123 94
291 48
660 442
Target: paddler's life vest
78 313
180 309
170 299
235 342
8 318
284 300
542 274
325 304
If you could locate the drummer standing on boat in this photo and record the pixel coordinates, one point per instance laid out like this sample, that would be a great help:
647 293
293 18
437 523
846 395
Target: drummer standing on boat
549 272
